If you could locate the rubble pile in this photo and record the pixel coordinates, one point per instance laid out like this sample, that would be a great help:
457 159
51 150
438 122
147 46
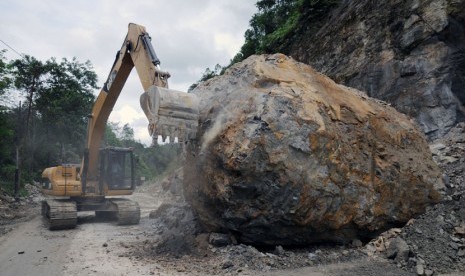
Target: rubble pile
286 156
449 154
12 210
434 242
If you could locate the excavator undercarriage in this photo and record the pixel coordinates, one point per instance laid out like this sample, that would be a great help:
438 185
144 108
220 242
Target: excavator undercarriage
63 213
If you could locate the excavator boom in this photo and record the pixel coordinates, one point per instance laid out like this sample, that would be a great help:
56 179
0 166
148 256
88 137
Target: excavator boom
170 113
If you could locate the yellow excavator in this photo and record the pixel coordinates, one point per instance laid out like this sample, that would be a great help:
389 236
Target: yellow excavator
108 172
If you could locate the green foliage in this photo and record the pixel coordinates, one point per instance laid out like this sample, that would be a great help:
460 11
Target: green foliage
49 126
7 166
9 188
63 104
160 159
277 22
6 132
208 74
110 137
5 81
127 133
28 76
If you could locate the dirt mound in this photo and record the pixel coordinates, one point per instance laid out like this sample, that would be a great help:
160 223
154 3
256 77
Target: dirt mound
177 227
173 221
432 243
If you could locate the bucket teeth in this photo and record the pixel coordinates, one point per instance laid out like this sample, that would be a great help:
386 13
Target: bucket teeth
154 140
173 134
171 113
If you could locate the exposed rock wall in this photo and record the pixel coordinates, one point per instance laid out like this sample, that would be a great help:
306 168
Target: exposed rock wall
287 156
408 53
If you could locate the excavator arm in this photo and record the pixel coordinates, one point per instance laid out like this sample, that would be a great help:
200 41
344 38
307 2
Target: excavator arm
170 113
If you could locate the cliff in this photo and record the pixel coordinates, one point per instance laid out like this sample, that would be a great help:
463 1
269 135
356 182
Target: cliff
408 53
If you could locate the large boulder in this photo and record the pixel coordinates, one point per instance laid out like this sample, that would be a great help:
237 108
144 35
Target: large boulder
287 156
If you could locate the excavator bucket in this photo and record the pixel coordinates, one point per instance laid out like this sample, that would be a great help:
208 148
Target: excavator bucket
171 113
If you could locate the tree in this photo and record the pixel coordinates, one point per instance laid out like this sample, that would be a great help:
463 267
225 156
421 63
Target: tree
208 74
58 99
5 80
7 162
63 105
127 133
28 74
7 166
110 137
151 162
274 27
277 22
6 131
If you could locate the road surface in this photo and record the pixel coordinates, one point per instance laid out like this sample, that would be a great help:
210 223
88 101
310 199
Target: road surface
103 248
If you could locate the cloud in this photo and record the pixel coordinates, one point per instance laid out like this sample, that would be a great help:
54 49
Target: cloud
227 43
126 115
188 37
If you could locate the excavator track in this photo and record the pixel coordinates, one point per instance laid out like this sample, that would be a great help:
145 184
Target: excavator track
59 214
128 211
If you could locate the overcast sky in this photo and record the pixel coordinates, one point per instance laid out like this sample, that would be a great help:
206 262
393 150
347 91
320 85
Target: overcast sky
188 37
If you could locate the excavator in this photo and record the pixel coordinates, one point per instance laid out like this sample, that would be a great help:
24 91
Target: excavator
107 173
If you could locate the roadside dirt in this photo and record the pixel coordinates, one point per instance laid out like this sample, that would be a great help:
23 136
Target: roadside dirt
13 212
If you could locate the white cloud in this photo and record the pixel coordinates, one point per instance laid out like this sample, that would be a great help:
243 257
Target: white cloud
227 43
126 115
142 135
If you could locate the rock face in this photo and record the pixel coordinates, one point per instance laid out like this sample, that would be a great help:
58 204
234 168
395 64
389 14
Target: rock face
408 53
287 156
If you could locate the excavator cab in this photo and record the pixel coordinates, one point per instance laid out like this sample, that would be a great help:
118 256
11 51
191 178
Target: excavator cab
117 168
